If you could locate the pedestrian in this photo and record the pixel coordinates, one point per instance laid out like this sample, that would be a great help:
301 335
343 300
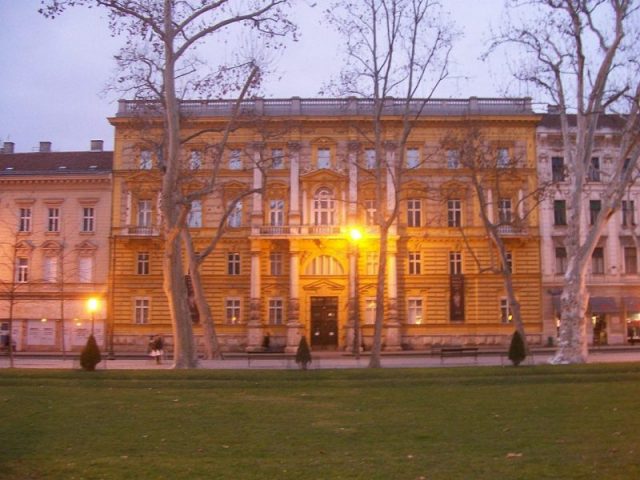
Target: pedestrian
158 349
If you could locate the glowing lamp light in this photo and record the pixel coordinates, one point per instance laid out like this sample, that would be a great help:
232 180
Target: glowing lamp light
355 234
92 304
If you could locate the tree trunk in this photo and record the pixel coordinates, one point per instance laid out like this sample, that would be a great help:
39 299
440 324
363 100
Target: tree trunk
376 349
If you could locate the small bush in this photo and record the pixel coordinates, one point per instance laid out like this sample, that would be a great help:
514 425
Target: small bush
90 355
517 351
303 354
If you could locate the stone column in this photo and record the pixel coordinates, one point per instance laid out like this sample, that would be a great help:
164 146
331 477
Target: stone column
393 333
294 327
489 206
254 327
294 183
256 210
352 215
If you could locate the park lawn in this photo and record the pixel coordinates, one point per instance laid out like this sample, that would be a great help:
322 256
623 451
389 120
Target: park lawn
446 423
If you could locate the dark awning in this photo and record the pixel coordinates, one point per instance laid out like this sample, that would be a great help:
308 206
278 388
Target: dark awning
632 304
603 305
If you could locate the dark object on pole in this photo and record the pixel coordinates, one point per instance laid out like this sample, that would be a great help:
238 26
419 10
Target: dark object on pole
303 354
517 351
90 355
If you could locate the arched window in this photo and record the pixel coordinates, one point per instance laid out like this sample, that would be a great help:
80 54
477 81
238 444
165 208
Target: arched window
324 265
323 207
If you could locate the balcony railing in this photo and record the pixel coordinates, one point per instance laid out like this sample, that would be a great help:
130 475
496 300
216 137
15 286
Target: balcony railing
305 230
136 231
511 231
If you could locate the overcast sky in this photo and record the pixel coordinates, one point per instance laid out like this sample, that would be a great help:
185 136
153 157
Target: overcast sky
54 72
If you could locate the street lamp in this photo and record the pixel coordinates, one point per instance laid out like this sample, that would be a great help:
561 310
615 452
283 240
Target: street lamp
356 235
92 306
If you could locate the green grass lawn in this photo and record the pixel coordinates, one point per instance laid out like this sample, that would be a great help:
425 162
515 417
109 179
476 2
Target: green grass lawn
449 423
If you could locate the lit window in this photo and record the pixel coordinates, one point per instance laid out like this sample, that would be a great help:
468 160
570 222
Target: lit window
235 161
275 263
232 311
275 311
142 310
25 220
88 219
414 311
505 311
324 158
194 218
413 158
455 263
414 209
454 213
233 263
323 207
53 219
145 160
415 266
143 263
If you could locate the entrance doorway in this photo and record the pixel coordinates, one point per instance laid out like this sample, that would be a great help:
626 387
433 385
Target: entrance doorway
324 323
599 329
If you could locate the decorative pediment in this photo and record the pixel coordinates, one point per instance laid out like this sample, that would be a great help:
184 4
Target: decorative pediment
24 247
323 175
86 247
324 285
52 247
143 176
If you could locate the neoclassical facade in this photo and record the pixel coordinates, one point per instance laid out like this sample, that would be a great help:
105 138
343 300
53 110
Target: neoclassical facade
286 265
54 246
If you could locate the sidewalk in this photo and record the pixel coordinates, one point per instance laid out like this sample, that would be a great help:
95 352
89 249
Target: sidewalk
321 360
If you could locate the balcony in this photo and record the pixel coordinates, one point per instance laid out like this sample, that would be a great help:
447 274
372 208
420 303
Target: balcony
136 231
306 230
512 231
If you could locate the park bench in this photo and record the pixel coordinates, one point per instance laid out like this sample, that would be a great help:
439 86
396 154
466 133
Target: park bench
459 352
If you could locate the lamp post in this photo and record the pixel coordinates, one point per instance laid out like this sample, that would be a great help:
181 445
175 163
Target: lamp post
92 306
355 235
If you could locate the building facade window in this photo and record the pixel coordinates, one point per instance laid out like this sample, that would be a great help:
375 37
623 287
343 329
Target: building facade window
324 158
277 158
370 158
232 311
630 260
453 159
194 218
324 207
50 269
235 216
413 158
142 264
415 264
561 260
557 169
509 259
275 311
276 213
454 213
455 263
142 310
370 211
145 160
597 261
53 219
85 269
233 263
373 259
593 174
559 212
503 159
88 219
370 310
414 212
504 210
24 225
144 213
22 270
195 160
235 160
594 210
505 311
324 265
414 311
628 213
275 263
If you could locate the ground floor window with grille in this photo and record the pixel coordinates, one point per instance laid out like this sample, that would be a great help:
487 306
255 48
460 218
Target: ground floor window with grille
414 311
275 311
232 311
142 310
505 311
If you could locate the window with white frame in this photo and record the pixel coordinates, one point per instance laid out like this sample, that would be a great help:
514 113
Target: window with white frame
324 158
85 269
275 311
454 213
235 160
324 265
144 213
414 310
453 159
504 210
323 207
142 310
371 209
88 219
276 212
413 157
373 260
414 212
370 310
561 260
50 268
505 311
22 270
234 220
53 219
232 311
145 160
277 158
503 158
142 264
558 171
275 263
195 160
455 263
194 218
233 263
415 266
24 224
370 158
630 260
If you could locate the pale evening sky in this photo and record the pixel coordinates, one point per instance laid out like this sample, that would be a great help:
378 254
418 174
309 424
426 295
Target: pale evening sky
54 72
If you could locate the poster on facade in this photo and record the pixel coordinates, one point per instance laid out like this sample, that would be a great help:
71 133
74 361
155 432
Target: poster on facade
456 300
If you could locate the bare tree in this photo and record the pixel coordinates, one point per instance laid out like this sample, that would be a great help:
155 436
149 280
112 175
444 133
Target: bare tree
583 56
158 62
392 47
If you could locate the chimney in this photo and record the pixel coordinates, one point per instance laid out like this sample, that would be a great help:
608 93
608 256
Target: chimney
8 147
45 147
96 145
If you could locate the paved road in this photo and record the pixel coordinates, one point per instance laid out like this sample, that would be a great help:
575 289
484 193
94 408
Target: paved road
323 360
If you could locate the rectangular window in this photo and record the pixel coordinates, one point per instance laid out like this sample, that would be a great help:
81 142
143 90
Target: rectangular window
234 220
415 267
144 213
504 210
557 169
276 213
142 310
50 269
414 311
561 260
194 219
22 270
597 261
455 263
414 208
370 310
413 158
593 175
453 159
143 263
454 213
277 158
53 219
594 210
509 258
559 212
232 311
503 158
373 259
85 269
324 158
275 263
370 158
25 220
233 263
235 160
628 213
275 311
88 219
145 160
195 160
505 311
370 212
630 261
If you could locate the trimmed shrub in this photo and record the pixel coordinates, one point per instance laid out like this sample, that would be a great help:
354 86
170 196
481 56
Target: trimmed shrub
90 355
517 350
303 354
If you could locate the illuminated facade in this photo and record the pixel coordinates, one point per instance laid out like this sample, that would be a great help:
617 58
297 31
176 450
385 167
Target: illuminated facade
286 265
